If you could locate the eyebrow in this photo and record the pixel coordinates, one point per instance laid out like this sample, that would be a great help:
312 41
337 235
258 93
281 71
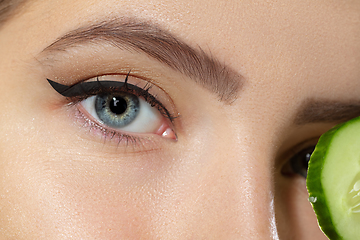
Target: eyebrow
315 111
9 8
148 38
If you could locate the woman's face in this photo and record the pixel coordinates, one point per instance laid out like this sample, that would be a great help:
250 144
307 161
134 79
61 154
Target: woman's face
246 88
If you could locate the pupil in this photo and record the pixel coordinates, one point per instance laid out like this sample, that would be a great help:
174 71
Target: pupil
118 105
117 110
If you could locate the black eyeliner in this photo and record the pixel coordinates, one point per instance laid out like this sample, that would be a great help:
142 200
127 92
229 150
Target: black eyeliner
83 90
90 88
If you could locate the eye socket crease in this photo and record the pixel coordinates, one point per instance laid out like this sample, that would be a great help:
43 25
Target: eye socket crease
139 36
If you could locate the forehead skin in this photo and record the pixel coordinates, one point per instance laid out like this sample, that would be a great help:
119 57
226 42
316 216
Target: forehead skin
276 45
221 184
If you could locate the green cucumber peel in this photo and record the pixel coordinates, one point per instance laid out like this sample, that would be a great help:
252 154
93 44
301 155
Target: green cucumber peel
333 181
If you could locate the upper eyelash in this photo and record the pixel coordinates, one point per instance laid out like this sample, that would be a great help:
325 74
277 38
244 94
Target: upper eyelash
83 90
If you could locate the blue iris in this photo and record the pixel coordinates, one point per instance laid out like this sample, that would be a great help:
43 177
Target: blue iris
117 110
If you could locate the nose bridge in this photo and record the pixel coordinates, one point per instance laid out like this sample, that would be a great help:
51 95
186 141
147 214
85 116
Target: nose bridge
252 167
241 186
223 188
257 198
241 196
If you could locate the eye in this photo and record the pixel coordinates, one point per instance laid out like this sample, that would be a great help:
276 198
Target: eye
121 108
298 163
124 111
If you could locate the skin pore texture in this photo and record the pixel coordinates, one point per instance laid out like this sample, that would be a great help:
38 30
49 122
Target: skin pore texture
250 83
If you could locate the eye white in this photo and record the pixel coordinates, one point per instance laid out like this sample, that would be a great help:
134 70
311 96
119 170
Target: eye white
148 120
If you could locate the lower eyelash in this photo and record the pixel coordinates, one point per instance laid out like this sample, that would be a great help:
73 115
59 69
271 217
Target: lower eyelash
106 133
142 143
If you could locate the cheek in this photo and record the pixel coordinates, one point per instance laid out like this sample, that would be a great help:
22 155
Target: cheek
62 195
50 186
295 216
103 201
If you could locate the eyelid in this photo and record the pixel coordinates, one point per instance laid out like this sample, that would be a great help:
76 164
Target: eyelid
111 84
303 145
152 93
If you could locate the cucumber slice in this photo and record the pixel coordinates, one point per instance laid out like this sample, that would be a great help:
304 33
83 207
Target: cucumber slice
333 181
